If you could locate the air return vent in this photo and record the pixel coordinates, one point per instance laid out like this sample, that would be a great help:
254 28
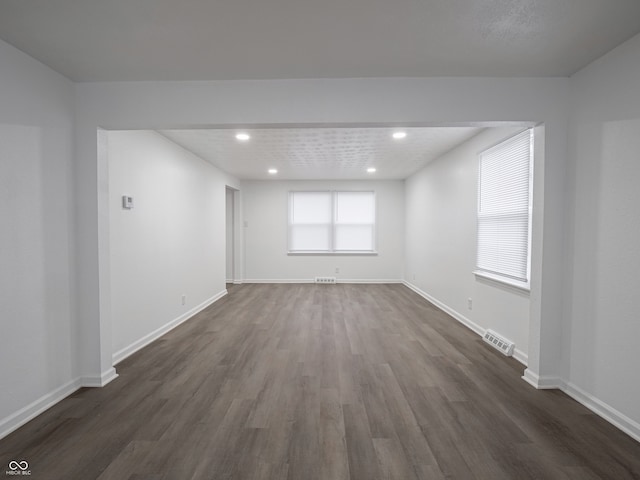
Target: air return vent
499 343
325 279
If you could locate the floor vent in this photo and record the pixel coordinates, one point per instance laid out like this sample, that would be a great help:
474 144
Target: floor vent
325 279
499 343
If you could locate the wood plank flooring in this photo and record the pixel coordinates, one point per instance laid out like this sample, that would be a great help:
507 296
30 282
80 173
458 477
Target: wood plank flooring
325 382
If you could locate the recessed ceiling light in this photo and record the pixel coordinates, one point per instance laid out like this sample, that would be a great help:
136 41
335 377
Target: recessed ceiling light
243 137
371 170
273 171
399 135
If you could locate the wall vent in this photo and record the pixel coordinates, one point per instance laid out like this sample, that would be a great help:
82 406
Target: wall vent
499 343
325 279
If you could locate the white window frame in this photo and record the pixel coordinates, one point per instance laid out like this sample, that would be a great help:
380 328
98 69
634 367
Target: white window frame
332 226
497 276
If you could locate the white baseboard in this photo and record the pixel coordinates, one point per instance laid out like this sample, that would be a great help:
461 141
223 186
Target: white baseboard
600 408
541 382
99 380
519 355
369 281
312 280
22 416
597 406
458 316
278 280
150 337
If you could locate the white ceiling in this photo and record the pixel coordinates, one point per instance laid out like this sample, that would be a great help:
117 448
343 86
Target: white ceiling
113 40
321 153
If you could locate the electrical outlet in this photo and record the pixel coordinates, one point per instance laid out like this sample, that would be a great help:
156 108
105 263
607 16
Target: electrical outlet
470 303
337 269
184 299
127 202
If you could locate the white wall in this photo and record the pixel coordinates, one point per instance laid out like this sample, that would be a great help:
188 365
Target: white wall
37 342
172 243
603 330
265 210
441 206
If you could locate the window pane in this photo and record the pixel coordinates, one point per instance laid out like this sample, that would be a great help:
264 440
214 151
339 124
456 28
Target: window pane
310 238
354 237
311 207
503 208
355 207
503 246
331 221
504 181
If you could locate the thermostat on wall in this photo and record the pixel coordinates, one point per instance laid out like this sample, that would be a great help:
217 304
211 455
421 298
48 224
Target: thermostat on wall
127 202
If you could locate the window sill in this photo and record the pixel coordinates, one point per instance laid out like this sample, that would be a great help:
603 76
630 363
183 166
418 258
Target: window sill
331 254
520 287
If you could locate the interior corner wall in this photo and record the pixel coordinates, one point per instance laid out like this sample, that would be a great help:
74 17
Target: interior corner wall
441 205
37 334
265 208
171 244
604 259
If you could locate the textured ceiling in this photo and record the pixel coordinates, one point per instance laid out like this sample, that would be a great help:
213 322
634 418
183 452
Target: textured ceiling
249 39
321 153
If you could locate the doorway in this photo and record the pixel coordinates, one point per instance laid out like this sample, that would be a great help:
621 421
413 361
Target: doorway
230 234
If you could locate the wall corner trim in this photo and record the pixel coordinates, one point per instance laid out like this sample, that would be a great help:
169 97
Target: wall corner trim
22 416
150 337
99 380
541 382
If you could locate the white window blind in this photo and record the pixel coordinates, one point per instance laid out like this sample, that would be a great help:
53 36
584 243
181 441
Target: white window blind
504 211
331 222
310 221
354 221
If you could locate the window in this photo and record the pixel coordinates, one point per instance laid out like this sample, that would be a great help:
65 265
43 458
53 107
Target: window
504 210
332 222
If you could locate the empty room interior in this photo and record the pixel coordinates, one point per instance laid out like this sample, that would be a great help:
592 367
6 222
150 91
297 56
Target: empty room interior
327 241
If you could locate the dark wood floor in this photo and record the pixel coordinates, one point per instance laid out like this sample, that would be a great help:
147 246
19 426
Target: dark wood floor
324 382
